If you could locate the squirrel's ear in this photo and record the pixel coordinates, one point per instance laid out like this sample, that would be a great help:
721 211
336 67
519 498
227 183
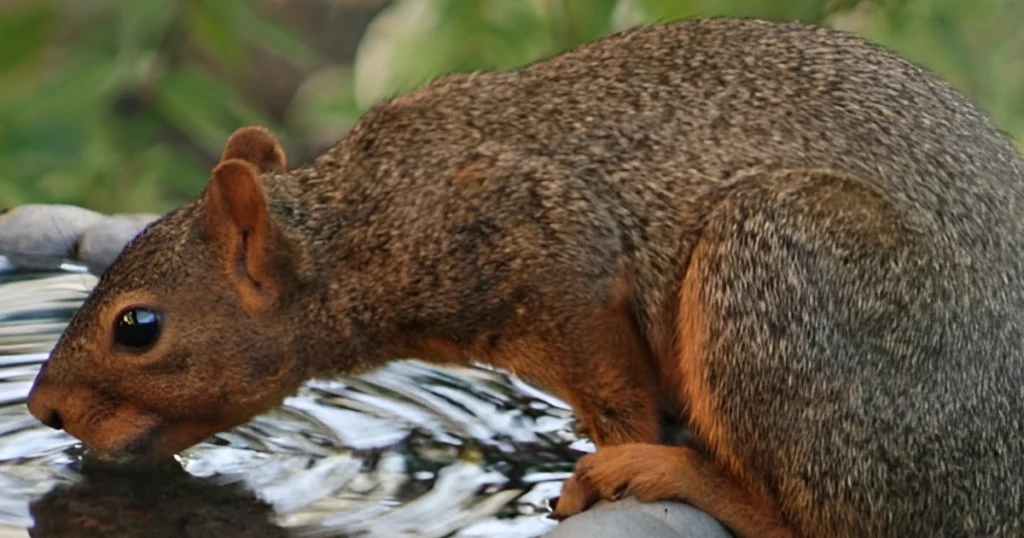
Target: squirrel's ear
236 219
256 146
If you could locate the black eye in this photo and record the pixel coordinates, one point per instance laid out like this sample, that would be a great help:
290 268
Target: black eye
137 328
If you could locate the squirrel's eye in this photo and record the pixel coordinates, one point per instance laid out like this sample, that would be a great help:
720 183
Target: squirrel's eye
137 328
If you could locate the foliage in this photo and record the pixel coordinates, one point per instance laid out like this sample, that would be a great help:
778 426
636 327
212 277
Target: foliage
123 105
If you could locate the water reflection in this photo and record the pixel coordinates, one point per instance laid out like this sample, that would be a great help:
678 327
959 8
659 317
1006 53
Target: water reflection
407 450
153 501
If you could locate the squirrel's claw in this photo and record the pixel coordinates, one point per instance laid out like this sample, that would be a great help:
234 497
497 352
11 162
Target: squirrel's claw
576 497
646 471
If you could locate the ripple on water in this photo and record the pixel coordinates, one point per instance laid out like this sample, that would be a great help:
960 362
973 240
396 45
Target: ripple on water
407 450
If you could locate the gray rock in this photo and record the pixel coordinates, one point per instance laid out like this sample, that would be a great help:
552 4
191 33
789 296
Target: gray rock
101 243
648 520
41 236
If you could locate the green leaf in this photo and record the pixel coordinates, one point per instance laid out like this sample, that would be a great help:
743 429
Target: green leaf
212 24
79 88
278 38
204 108
227 25
583 20
196 105
143 24
24 29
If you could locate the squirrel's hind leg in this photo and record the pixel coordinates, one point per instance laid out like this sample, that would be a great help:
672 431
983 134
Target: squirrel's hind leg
651 472
787 272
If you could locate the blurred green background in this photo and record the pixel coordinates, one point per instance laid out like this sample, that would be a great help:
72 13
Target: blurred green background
123 105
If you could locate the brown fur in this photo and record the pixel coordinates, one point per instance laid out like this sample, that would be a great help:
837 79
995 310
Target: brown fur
258 146
802 245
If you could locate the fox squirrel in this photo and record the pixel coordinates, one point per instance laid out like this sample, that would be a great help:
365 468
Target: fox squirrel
808 247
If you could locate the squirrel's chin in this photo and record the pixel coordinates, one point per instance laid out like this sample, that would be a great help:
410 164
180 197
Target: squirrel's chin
146 443
130 432
131 443
148 437
161 440
123 450
165 439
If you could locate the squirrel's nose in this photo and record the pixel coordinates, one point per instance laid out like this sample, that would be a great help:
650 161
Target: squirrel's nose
54 421
44 412
41 403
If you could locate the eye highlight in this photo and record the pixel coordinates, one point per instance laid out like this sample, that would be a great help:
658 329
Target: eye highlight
137 328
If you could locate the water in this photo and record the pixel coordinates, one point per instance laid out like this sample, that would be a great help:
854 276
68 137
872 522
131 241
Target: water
409 450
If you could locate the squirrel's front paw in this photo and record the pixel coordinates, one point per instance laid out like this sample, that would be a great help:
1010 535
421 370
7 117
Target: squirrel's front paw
645 471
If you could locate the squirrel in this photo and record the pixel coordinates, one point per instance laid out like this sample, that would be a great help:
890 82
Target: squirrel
803 245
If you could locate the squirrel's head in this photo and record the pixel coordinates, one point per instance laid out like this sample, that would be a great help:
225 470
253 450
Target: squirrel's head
182 338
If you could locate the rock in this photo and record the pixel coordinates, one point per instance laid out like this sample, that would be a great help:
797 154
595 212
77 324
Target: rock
101 243
649 520
42 236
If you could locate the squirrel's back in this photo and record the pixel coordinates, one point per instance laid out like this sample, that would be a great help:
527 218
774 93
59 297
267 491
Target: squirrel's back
647 128
711 100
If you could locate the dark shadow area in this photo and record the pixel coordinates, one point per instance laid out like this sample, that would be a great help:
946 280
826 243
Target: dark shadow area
152 500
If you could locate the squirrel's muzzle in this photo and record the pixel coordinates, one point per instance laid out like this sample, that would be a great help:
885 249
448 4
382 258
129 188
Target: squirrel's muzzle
101 422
